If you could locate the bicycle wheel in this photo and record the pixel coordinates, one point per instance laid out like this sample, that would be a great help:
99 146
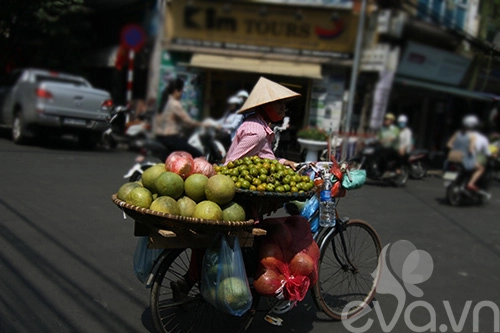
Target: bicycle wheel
191 313
340 284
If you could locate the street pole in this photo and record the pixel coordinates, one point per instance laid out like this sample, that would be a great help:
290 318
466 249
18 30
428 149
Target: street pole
155 60
354 76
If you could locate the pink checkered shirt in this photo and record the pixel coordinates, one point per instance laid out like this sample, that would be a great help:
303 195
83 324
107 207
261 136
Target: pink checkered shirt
253 137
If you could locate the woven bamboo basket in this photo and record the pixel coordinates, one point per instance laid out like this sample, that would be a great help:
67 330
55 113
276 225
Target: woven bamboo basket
166 221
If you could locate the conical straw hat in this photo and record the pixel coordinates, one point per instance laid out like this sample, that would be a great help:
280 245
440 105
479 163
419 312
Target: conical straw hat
266 91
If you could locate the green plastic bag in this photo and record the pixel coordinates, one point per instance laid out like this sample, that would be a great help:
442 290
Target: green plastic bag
358 178
224 281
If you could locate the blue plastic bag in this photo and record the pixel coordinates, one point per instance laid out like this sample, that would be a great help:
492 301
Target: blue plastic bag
311 212
144 258
224 282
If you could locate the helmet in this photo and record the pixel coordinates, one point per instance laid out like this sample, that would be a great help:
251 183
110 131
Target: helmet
402 118
389 116
242 94
234 100
470 121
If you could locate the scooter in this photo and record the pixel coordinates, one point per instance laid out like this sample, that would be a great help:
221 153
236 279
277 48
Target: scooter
456 178
122 130
204 139
369 160
418 161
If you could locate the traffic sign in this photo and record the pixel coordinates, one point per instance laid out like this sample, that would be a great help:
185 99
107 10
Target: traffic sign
133 37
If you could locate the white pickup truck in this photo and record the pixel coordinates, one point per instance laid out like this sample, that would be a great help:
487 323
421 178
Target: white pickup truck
37 103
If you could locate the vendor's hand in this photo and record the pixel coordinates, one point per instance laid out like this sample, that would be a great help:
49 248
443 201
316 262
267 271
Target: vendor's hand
291 164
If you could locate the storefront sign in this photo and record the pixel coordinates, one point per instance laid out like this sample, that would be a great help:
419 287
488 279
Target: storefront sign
431 64
322 3
306 31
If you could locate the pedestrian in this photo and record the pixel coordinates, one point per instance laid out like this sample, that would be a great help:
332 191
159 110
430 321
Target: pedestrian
172 121
266 103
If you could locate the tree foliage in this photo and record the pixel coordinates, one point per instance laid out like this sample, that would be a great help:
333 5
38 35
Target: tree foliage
39 32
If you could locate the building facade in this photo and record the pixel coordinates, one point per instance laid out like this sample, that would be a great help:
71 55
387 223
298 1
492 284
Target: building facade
221 47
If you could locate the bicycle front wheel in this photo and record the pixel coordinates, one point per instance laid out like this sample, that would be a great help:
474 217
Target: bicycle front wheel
346 285
187 312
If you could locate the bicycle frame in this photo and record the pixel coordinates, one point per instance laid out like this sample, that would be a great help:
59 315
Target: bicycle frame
321 236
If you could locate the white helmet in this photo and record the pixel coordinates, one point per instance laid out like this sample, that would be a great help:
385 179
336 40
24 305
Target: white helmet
242 94
402 119
234 100
470 121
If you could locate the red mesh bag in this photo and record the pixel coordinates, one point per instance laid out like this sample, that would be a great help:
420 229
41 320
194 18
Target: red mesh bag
288 259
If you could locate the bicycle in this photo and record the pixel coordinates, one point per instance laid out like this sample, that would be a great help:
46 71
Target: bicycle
348 273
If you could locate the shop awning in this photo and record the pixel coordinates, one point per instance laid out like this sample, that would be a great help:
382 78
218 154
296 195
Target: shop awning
446 89
263 66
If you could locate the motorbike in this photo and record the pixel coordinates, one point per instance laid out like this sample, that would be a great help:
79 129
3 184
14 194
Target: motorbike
456 178
153 152
122 130
369 160
418 162
205 140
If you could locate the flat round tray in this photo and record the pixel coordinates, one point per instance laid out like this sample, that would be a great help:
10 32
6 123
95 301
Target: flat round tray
260 203
175 222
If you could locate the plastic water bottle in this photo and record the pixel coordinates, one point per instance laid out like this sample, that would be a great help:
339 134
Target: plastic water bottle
326 203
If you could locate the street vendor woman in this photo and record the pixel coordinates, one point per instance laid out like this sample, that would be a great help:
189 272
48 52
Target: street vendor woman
265 105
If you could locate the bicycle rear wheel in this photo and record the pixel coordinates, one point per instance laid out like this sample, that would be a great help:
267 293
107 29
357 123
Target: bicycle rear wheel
190 313
342 291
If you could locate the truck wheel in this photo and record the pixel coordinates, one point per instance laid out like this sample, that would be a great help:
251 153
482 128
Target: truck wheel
18 129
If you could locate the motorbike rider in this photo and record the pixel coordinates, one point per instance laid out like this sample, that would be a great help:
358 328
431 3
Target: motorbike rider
388 137
405 139
464 141
230 121
483 151
242 95
171 119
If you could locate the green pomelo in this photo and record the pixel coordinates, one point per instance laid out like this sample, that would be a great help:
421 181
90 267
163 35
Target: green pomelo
125 190
140 196
149 176
186 206
210 293
165 204
170 184
208 210
194 186
234 292
220 189
233 212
